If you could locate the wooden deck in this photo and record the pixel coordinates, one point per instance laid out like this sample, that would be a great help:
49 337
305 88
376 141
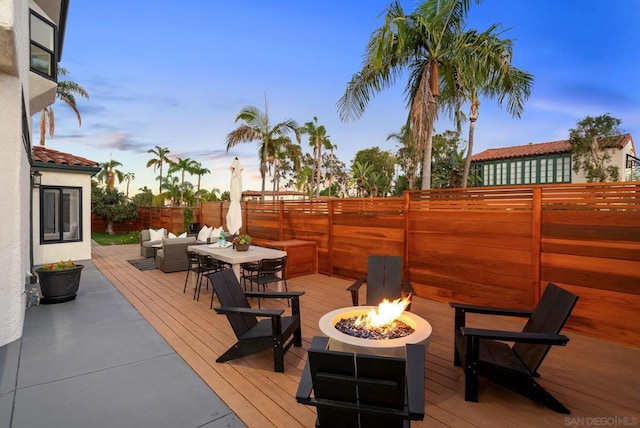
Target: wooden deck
594 379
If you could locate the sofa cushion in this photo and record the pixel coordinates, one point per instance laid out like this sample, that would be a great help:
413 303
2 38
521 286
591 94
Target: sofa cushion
215 233
156 235
204 233
177 241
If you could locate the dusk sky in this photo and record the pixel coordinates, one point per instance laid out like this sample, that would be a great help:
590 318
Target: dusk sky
175 74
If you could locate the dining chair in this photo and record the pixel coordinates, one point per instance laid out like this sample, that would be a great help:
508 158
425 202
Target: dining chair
269 271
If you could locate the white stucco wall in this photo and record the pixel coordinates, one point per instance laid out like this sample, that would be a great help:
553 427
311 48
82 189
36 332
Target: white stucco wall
618 159
48 253
14 174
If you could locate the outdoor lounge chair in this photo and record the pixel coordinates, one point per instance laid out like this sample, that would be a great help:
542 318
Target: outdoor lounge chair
365 391
484 353
275 332
384 281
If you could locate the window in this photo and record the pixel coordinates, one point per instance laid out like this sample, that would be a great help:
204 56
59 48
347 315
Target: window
26 134
43 46
543 170
563 169
515 172
60 214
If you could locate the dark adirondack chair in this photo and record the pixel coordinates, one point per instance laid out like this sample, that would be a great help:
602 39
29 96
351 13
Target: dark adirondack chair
275 332
484 353
384 281
365 391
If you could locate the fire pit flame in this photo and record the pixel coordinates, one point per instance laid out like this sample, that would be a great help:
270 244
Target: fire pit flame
386 313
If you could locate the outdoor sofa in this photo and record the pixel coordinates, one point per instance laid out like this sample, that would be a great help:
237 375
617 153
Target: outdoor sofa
146 244
172 257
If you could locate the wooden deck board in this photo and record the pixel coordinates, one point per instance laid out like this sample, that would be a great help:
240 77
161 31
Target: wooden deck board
591 377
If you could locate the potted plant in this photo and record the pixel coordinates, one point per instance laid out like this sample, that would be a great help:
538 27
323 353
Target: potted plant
59 281
241 242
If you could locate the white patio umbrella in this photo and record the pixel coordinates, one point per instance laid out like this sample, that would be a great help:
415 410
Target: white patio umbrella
234 215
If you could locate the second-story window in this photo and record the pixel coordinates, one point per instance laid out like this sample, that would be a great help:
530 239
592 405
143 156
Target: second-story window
43 46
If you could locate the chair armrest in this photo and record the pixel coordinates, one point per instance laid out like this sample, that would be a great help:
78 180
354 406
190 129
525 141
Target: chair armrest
415 381
319 342
516 336
249 311
407 287
354 291
489 310
306 384
356 285
274 294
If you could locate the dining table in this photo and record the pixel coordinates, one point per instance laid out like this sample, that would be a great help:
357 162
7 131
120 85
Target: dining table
230 255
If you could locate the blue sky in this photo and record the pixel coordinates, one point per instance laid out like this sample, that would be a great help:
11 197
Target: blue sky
175 74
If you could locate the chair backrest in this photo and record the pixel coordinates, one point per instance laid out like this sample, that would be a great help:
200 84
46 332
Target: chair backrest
230 294
549 316
272 266
206 262
193 258
342 380
384 279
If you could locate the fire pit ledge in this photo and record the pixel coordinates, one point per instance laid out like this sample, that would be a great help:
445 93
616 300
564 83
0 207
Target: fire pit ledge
340 341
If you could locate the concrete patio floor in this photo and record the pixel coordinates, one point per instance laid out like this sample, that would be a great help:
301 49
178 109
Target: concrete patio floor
96 362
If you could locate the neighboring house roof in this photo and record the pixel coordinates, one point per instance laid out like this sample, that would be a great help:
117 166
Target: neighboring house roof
46 158
539 149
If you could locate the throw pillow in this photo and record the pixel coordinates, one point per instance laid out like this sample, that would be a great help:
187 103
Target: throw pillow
182 235
156 235
171 235
215 234
204 233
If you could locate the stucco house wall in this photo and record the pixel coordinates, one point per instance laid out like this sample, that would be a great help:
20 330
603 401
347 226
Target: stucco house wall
14 174
52 252
18 82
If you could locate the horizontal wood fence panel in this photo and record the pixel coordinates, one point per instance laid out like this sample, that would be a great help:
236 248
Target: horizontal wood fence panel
483 224
590 248
594 232
591 217
489 271
496 246
599 280
606 314
448 288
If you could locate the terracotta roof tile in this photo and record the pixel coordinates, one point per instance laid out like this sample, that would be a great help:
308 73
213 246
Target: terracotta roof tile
539 149
47 155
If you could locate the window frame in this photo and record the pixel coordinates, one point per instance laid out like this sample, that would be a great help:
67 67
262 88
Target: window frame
52 53
60 215
526 170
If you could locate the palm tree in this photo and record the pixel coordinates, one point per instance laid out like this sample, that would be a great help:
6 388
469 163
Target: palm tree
65 93
183 165
199 170
318 139
284 149
499 81
430 43
257 127
108 173
157 162
360 173
408 154
129 176
171 184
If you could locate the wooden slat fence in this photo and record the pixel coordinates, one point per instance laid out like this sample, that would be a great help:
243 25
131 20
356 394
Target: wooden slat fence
496 246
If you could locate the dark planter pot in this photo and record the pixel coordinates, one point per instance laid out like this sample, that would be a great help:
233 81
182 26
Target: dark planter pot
59 286
242 247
